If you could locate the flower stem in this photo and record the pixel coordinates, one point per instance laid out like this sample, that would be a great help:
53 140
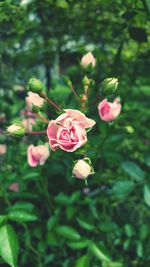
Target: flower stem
95 101
86 183
52 103
37 132
43 118
73 90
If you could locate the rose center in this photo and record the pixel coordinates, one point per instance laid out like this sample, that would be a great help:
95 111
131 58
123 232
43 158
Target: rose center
69 135
105 109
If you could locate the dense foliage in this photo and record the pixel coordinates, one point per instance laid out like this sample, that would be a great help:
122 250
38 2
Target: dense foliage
52 219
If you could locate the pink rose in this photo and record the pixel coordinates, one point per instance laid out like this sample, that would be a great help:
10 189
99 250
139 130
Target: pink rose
14 187
109 111
68 130
37 155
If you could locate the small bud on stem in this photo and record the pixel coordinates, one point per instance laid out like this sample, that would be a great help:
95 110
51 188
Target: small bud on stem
109 86
17 130
36 86
82 169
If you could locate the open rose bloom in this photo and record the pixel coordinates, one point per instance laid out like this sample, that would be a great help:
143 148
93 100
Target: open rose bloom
109 111
68 132
37 155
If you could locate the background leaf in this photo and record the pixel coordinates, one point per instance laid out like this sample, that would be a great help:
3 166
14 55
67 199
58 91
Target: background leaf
146 191
9 245
133 170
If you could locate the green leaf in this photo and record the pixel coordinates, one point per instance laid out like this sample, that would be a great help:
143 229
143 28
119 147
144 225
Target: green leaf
144 231
9 245
62 199
68 232
127 244
22 206
75 196
85 225
82 261
83 243
31 176
62 4
70 212
99 252
122 189
21 216
2 219
146 191
129 230
147 159
52 239
147 2
108 227
51 223
139 249
133 170
116 264
114 140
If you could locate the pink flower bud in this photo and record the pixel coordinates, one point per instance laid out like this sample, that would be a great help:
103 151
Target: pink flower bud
109 111
82 169
3 149
14 187
88 59
34 99
37 155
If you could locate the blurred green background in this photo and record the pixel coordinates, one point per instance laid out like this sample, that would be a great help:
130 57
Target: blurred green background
58 221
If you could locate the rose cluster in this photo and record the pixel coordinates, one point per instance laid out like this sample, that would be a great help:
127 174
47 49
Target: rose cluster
68 131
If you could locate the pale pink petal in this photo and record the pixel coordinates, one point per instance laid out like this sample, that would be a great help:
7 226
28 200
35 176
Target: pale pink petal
80 118
31 159
52 134
37 155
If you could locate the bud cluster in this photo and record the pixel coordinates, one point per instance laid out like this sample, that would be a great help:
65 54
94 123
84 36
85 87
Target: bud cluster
68 131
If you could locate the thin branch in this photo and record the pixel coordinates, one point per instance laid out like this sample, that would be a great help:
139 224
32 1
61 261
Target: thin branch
43 118
73 90
52 103
36 132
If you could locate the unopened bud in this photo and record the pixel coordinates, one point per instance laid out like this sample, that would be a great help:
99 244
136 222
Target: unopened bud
88 60
109 85
86 81
69 83
82 168
17 130
36 86
34 102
